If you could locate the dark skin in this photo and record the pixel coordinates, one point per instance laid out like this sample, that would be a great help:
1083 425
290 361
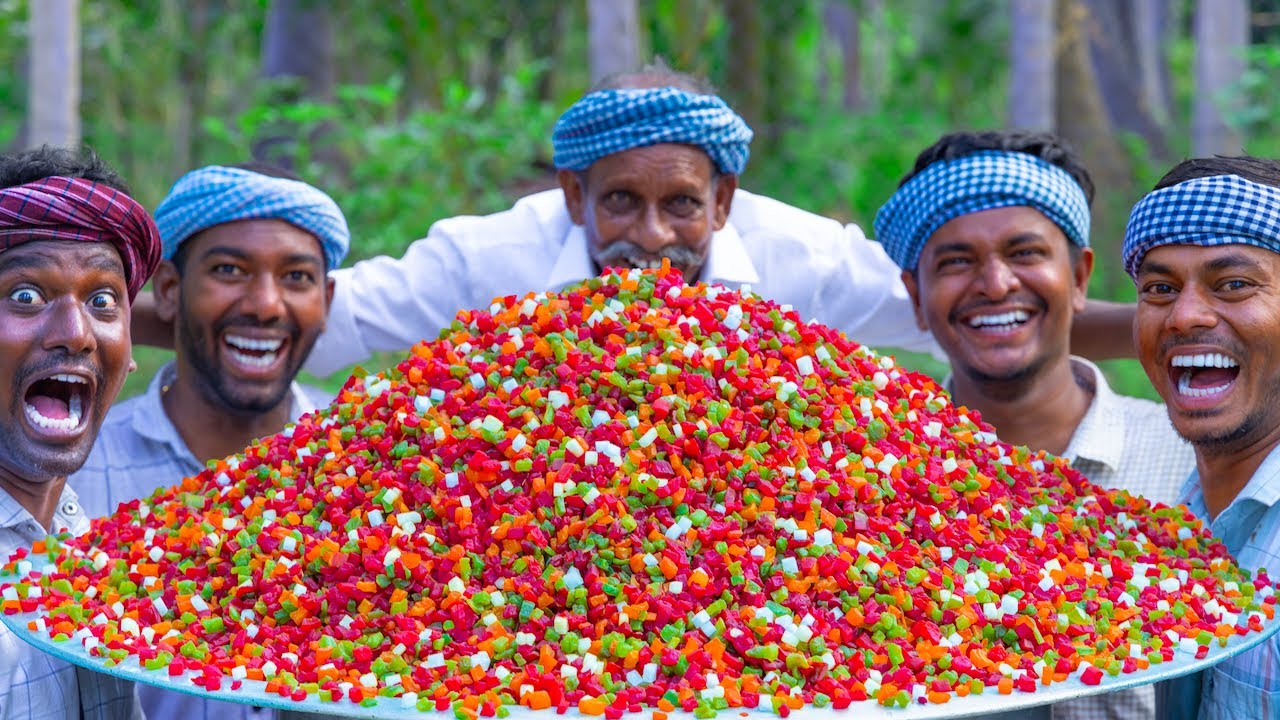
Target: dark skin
999 289
1220 302
261 281
64 311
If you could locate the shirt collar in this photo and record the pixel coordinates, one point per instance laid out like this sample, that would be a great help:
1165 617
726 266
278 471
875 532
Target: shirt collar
727 263
1099 437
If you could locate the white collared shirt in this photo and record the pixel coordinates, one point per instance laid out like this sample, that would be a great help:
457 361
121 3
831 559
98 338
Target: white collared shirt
826 271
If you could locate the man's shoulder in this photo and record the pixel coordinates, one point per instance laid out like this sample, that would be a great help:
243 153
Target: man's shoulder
541 218
118 438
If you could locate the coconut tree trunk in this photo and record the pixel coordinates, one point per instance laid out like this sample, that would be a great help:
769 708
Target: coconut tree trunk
1221 33
53 101
1032 64
613 37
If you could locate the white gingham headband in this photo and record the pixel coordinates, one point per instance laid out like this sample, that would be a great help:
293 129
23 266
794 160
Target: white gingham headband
972 183
610 121
215 194
1209 211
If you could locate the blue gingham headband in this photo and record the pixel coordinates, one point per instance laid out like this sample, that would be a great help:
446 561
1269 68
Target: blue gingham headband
214 195
972 183
611 121
1217 210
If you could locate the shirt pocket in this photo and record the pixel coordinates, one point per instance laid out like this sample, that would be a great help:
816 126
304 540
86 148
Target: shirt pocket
1229 698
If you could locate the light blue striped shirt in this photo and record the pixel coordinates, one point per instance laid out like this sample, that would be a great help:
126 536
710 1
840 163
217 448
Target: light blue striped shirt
137 452
33 684
1247 685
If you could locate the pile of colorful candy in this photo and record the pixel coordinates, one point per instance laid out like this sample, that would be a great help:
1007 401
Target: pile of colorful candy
638 494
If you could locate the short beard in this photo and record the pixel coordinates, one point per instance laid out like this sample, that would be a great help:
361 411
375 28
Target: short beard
1011 385
1238 438
208 380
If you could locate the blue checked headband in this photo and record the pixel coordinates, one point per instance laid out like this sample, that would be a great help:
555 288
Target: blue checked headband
1208 211
610 121
972 183
214 195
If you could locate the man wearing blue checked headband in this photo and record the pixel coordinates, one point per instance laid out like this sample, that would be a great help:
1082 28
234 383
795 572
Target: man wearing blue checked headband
648 170
1204 251
992 232
245 283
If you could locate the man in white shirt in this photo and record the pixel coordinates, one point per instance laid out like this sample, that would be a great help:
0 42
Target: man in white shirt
648 168
75 250
991 230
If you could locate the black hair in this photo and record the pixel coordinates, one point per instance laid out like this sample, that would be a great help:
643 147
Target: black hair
48 161
1260 170
1045 146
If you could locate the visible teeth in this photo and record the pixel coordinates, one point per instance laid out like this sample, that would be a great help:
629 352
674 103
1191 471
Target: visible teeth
70 422
1008 318
258 361
245 343
646 264
1215 360
71 379
1184 387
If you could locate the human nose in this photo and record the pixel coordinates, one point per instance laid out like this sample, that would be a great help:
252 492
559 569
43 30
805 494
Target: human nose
655 232
263 299
1190 311
997 279
70 328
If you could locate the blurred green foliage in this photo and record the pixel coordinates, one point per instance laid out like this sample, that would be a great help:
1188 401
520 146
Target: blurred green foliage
445 107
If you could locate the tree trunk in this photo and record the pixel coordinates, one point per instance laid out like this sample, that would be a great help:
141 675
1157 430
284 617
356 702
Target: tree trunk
1150 32
613 33
1083 121
1032 62
841 20
1113 50
742 82
297 56
53 89
1221 33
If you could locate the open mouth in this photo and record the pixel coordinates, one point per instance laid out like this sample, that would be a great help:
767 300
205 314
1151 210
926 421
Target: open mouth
645 263
999 322
253 353
58 402
1203 375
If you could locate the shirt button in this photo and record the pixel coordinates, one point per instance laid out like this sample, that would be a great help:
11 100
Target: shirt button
70 508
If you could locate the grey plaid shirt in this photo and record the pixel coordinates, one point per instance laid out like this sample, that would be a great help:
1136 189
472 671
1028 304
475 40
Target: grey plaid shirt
37 686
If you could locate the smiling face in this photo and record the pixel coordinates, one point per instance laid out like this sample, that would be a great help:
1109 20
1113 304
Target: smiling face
1208 335
64 353
641 205
247 308
998 289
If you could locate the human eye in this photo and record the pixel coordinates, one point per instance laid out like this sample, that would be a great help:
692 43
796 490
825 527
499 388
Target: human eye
104 300
225 269
617 200
684 204
1157 291
26 296
300 277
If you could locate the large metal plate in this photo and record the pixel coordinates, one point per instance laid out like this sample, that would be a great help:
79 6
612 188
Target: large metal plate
254 692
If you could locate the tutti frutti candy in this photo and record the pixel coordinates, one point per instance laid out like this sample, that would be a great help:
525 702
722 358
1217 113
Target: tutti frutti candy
639 495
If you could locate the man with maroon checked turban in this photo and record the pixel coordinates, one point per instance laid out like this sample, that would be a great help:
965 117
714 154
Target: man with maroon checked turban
75 250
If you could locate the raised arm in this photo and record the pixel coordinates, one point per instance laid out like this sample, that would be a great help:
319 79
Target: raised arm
146 327
1104 330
